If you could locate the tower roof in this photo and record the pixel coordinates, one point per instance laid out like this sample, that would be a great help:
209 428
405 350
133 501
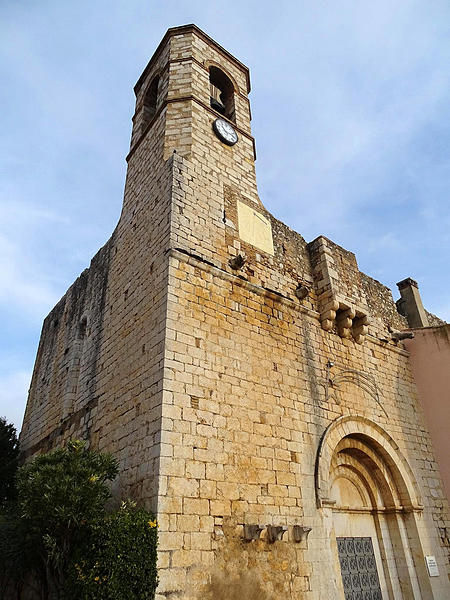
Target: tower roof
191 28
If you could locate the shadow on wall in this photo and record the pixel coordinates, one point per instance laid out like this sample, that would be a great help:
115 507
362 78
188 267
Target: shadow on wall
225 586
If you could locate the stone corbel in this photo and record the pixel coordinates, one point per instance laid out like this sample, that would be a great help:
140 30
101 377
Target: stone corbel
328 314
251 532
344 321
300 533
350 321
360 327
275 533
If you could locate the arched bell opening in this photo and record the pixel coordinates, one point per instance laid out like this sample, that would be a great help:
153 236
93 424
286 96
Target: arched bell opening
150 104
221 92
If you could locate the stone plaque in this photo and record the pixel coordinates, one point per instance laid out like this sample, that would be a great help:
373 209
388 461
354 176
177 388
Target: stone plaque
432 567
254 228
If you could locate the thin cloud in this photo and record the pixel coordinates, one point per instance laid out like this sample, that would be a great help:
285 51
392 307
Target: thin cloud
21 290
13 394
385 242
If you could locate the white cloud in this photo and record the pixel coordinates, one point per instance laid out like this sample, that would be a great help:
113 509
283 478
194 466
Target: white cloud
16 215
13 394
21 287
386 242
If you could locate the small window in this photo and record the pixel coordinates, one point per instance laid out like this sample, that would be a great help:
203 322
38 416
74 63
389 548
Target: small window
150 102
221 93
82 327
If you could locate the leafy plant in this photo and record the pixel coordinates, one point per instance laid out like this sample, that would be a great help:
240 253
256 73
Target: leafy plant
58 542
20 567
118 558
9 451
59 494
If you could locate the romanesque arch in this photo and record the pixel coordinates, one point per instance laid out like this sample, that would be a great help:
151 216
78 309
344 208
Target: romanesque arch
368 491
150 103
376 442
222 91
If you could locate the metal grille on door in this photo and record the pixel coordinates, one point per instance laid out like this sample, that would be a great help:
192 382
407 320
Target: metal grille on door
358 568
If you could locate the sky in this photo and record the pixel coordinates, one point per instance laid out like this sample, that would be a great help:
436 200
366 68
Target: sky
351 115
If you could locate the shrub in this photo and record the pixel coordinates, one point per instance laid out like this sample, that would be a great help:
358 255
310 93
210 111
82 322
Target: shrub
9 450
60 494
58 542
117 560
20 566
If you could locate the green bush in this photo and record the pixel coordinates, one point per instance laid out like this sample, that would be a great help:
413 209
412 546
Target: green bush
9 450
20 565
117 560
59 540
59 494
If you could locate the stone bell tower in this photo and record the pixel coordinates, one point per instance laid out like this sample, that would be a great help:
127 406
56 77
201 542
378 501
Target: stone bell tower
191 85
100 368
248 382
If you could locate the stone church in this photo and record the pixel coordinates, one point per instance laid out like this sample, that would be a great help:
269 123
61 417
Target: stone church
256 388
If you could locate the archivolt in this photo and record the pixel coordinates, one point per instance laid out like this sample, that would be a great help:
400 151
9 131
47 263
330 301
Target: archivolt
369 440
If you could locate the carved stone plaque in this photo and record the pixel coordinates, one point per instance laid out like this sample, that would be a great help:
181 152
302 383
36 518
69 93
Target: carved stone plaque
254 228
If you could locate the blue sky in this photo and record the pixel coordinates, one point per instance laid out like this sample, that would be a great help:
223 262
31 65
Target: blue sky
351 115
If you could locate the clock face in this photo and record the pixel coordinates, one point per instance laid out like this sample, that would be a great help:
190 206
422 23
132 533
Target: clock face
225 132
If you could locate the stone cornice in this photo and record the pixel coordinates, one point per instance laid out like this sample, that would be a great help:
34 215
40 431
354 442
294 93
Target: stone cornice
189 98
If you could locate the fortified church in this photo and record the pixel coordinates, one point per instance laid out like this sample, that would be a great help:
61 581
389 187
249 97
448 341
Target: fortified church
258 390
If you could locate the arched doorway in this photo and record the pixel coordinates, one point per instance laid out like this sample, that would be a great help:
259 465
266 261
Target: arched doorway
369 495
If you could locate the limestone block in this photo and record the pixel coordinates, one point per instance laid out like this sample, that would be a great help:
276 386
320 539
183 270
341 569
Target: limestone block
186 558
196 506
220 508
169 540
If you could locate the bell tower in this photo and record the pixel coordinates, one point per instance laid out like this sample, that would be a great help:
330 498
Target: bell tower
192 102
190 81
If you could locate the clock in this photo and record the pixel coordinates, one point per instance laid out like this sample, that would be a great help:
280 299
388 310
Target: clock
225 132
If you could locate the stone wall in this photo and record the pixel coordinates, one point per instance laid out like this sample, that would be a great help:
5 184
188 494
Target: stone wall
62 398
248 396
98 373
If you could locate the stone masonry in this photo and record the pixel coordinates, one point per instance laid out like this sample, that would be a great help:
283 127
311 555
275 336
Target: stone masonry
261 407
